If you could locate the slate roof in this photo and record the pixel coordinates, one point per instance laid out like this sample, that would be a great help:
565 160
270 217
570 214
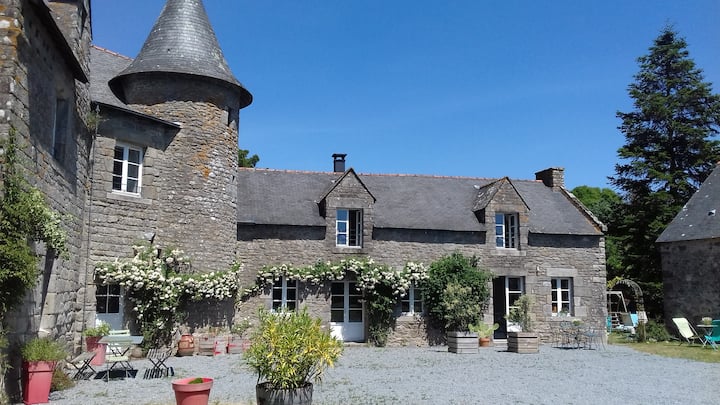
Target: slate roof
700 217
182 41
275 197
104 65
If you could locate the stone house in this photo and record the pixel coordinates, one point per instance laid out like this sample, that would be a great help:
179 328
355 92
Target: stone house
146 149
532 234
690 256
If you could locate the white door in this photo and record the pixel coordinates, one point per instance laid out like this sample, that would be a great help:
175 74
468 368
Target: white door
109 305
514 288
346 311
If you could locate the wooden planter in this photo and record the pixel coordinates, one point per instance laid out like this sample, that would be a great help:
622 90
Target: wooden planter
462 342
523 342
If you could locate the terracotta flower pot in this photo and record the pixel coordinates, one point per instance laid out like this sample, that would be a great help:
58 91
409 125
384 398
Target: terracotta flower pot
192 394
37 377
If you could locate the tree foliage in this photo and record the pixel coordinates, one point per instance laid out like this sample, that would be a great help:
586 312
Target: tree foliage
603 203
670 148
245 161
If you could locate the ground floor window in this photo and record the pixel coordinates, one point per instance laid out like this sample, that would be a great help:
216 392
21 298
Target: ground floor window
412 302
284 295
562 296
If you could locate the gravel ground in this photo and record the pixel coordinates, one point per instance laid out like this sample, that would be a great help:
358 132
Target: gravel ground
363 375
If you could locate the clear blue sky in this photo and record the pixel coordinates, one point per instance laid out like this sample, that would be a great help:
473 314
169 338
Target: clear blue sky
453 88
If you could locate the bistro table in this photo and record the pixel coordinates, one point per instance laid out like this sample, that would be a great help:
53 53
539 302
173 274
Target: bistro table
119 345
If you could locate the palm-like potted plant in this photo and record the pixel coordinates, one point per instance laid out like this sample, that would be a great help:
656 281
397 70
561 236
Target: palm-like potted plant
92 339
525 340
40 355
484 332
289 351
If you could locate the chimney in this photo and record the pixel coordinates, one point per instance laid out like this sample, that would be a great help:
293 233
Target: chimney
553 177
339 162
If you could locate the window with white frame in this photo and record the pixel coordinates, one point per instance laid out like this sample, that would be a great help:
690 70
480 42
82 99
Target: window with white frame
562 296
127 169
284 295
506 231
412 302
348 228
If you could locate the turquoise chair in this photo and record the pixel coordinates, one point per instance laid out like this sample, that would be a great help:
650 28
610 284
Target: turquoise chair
714 337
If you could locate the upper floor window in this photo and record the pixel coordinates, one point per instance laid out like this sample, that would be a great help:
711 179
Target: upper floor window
506 231
348 229
60 128
412 302
562 296
127 169
284 295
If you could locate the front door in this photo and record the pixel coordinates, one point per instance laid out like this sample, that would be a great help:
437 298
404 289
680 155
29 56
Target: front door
346 311
505 291
109 305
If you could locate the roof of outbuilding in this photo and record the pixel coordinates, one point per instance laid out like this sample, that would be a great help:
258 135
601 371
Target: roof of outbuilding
700 217
276 197
182 41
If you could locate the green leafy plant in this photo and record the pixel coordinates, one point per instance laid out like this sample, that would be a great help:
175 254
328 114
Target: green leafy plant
60 381
24 216
43 349
455 269
291 349
241 327
460 308
100 330
521 313
196 380
483 329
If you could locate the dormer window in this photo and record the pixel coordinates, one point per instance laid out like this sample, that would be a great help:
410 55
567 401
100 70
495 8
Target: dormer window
506 231
348 229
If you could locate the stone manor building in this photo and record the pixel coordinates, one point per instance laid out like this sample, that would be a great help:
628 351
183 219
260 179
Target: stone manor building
145 148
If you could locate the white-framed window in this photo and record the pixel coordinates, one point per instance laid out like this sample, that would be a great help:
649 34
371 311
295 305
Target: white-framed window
562 296
348 228
127 169
284 295
412 303
506 231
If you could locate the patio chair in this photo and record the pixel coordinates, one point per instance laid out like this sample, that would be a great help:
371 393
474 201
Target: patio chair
593 334
686 331
83 368
157 358
118 357
714 337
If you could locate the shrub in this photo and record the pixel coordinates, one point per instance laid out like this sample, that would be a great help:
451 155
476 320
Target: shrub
655 331
60 381
43 349
521 313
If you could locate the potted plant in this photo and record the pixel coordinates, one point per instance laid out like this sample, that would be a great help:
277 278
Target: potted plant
40 355
192 390
289 351
484 332
92 338
525 340
461 310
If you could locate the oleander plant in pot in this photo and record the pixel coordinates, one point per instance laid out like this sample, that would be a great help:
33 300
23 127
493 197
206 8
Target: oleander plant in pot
92 339
525 340
40 356
290 351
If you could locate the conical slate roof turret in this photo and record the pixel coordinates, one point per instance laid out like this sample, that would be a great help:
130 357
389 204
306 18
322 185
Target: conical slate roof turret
182 41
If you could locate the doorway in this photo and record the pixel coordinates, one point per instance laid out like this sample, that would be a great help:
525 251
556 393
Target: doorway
505 291
346 311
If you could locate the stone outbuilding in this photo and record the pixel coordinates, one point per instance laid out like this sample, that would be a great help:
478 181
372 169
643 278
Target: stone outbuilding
690 256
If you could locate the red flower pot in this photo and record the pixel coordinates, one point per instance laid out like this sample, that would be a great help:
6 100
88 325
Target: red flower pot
37 377
99 348
192 394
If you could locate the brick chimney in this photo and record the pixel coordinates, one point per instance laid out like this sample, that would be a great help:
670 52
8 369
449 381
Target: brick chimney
553 177
339 162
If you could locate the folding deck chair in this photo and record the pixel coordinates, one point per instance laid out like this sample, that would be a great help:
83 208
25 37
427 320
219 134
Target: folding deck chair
687 332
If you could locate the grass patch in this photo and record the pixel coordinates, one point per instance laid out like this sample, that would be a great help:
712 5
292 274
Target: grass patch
674 349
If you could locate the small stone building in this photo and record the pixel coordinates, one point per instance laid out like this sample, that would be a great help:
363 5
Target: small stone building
532 234
690 256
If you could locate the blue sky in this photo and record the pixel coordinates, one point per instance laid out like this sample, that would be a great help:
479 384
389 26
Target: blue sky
450 88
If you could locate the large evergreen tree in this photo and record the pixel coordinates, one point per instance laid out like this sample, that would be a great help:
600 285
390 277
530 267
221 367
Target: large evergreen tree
670 148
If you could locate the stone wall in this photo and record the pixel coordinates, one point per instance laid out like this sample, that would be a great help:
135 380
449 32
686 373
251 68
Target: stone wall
688 268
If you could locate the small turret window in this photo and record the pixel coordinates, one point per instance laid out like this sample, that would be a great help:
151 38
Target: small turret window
127 169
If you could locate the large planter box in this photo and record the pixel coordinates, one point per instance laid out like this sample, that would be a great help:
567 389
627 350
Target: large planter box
462 342
523 342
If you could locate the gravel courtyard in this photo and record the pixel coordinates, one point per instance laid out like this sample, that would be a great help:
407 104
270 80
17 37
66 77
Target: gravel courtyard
431 375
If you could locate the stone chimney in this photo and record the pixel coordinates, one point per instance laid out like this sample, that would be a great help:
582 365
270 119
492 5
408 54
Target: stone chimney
553 177
339 162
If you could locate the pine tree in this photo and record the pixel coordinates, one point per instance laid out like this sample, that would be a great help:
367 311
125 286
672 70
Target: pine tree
670 149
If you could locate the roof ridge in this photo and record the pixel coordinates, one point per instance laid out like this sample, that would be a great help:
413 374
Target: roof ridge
100 48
